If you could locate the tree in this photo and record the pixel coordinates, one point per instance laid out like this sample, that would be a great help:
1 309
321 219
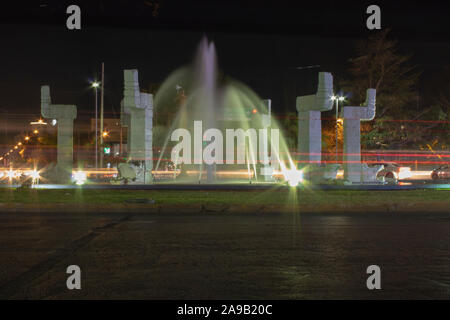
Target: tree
380 66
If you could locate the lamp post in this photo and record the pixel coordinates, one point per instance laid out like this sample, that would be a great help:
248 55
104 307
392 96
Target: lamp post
95 86
337 99
101 113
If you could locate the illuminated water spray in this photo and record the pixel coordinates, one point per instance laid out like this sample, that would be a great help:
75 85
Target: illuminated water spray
215 127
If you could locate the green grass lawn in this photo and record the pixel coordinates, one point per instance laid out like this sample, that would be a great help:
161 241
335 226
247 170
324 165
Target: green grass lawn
274 199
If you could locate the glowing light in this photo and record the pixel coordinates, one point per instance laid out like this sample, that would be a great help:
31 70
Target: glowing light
105 133
33 174
27 138
36 131
421 173
10 174
95 84
167 171
79 177
404 172
15 147
243 173
40 121
54 122
104 171
293 176
339 120
19 144
340 98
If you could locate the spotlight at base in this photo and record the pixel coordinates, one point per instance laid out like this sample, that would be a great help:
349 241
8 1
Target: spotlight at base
79 177
293 177
34 174
10 174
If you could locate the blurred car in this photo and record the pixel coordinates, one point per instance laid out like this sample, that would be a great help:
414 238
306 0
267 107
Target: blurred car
443 172
391 172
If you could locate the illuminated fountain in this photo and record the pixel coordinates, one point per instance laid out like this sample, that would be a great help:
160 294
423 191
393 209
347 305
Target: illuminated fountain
210 128
219 128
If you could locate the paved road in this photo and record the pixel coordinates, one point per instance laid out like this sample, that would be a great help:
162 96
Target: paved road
224 256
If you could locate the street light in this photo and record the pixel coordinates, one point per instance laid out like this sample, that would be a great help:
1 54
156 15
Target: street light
338 120
95 85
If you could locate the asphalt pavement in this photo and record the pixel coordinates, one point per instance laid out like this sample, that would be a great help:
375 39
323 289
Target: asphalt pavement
224 256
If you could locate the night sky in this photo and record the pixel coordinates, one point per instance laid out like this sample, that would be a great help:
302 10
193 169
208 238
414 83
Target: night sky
257 43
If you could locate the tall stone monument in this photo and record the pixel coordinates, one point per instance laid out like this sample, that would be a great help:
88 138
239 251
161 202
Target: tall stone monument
309 110
64 115
137 115
354 171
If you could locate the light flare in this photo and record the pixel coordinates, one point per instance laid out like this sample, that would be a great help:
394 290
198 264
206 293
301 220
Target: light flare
79 177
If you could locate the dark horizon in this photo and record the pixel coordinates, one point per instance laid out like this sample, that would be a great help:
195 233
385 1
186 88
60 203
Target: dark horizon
259 45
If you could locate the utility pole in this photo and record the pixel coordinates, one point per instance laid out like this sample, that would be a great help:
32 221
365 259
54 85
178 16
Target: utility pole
101 114
95 85
96 131
337 125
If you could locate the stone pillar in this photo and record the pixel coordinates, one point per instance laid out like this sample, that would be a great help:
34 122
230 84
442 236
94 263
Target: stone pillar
309 120
137 115
309 137
64 115
65 143
353 170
